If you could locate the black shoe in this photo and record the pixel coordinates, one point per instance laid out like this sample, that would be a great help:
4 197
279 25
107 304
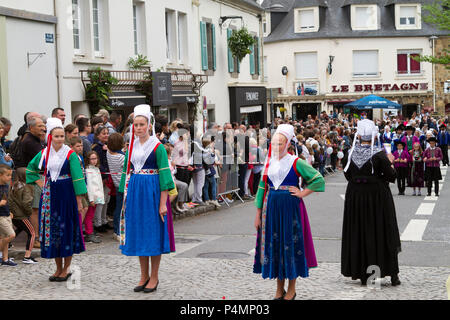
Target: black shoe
148 290
52 278
141 288
282 296
62 279
107 227
428 194
395 281
293 298
100 229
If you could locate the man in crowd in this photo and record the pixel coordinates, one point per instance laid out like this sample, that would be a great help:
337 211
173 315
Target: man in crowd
60 114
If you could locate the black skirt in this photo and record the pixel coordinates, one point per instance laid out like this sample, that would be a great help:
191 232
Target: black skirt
433 173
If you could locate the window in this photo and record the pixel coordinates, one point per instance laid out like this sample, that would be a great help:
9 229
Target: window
406 65
408 16
364 17
171 43
208 45
254 58
266 24
306 65
266 74
365 63
97 27
135 31
307 20
182 38
76 22
233 62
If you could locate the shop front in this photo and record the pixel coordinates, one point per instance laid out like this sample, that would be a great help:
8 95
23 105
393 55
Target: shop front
248 105
301 111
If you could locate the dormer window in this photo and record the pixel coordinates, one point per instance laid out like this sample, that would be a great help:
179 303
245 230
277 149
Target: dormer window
307 19
408 16
364 17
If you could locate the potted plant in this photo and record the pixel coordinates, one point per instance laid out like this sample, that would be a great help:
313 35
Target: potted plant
240 42
138 63
98 88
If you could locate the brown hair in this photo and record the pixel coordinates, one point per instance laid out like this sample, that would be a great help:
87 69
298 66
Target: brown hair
74 140
4 168
88 157
70 127
115 142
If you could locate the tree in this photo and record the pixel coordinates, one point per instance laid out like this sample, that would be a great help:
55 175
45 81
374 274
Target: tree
438 14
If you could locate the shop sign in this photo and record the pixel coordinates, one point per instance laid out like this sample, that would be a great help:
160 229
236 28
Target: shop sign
380 87
251 109
252 96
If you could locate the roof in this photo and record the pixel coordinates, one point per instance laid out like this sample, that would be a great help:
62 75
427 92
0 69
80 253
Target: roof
253 4
310 3
286 5
335 23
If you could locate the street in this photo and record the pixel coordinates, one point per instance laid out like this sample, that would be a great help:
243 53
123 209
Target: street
215 251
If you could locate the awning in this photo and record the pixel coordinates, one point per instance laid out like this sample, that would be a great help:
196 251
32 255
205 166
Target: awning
120 99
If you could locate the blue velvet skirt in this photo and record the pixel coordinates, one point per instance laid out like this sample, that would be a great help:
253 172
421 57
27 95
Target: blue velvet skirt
280 249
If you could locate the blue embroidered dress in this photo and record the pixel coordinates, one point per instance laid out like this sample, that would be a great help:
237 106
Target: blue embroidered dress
284 246
59 220
142 231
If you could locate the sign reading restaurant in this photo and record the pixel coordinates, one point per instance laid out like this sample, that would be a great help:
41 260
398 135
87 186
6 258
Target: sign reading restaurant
381 87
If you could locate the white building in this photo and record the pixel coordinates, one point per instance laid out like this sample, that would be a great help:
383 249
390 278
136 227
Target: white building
337 51
184 37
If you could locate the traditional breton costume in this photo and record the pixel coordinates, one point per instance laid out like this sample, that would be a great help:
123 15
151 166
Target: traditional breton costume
432 167
370 233
398 135
284 247
416 173
59 220
146 174
443 138
409 140
401 167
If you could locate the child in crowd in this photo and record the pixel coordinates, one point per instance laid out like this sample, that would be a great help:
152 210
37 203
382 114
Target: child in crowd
416 176
94 185
7 233
181 187
432 156
210 187
20 198
116 158
76 144
402 158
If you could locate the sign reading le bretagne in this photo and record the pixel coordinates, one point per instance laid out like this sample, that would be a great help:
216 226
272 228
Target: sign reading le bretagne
381 87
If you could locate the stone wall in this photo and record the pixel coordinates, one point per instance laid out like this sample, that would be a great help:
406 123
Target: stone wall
442 75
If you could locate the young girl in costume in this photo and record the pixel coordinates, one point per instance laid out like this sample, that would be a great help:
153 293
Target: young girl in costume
284 248
146 181
416 175
61 235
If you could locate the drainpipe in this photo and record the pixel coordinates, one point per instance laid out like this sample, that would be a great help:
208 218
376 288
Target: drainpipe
58 88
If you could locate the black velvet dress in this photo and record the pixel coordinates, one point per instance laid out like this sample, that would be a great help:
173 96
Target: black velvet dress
370 234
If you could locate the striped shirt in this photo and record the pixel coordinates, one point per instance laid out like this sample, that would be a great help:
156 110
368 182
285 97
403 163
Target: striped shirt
115 164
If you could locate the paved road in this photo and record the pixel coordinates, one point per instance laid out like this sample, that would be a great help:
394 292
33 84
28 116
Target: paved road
215 255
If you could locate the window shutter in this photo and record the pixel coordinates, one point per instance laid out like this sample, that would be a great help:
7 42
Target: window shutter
258 57
204 45
402 63
230 56
213 32
414 65
252 60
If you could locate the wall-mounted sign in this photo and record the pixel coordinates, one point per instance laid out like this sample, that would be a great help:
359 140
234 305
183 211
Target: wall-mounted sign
162 88
252 96
380 87
49 38
251 109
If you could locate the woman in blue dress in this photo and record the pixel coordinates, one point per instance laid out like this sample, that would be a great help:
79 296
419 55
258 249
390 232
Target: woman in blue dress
284 248
146 180
61 235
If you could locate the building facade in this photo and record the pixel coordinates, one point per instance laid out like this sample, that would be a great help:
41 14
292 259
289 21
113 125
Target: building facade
335 52
187 39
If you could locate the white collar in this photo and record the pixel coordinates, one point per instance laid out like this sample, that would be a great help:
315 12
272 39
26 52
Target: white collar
279 169
56 161
142 151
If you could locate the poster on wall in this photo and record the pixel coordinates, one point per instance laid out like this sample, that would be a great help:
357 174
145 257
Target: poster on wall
306 88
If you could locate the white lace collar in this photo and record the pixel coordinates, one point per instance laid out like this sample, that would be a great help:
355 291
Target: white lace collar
279 169
56 161
142 151
363 153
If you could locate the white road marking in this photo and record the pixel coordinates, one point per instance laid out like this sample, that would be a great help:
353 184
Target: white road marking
425 208
431 198
414 230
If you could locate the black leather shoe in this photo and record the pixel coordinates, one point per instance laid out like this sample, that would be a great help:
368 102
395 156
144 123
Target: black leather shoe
52 278
62 279
148 290
293 298
141 288
282 296
395 281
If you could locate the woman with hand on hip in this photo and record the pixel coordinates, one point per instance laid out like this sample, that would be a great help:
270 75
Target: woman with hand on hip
60 226
146 180
284 248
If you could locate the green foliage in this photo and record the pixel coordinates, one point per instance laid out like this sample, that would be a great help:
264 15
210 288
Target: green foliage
240 43
438 14
138 63
98 89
